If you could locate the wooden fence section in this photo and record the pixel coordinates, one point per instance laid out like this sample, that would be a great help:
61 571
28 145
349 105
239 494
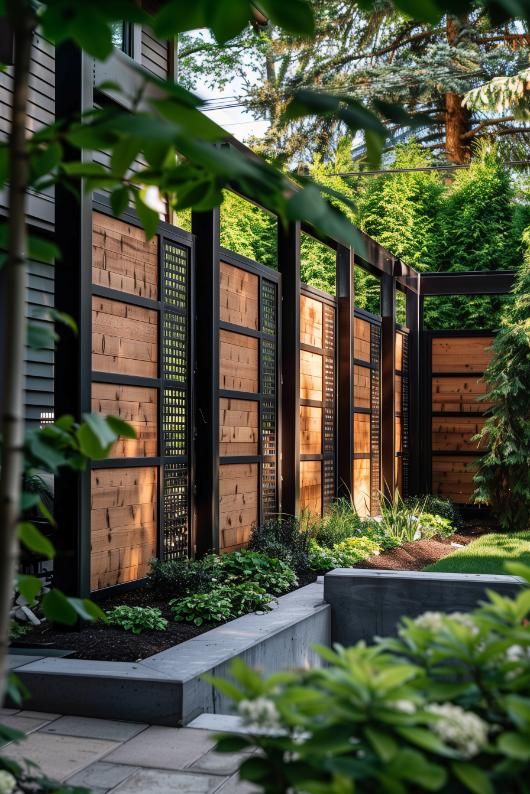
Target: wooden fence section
457 363
318 315
366 412
248 397
141 302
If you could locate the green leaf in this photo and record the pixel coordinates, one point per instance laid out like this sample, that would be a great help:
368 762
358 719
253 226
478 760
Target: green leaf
45 513
123 154
34 540
232 744
518 569
58 608
472 777
29 587
148 217
294 16
65 319
424 739
383 744
424 10
229 19
4 164
16 690
121 428
44 161
41 337
254 769
119 200
42 250
515 745
28 500
101 429
87 609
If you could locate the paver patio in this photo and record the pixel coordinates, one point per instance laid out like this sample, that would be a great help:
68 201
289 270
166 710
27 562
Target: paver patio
126 757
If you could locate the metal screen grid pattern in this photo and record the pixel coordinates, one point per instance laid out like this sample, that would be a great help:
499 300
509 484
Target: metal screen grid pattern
328 408
175 275
268 304
269 364
375 418
175 347
175 511
174 415
405 417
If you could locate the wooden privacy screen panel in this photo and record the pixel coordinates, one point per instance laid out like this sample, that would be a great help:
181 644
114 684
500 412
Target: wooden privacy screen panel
401 419
141 303
317 400
458 362
366 420
248 398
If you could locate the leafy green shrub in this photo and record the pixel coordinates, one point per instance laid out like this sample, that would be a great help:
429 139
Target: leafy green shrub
340 522
374 530
136 619
273 575
222 603
18 630
284 538
434 526
444 707
179 577
398 520
342 555
247 597
438 506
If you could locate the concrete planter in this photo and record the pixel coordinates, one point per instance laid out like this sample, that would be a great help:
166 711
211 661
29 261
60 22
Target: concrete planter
167 688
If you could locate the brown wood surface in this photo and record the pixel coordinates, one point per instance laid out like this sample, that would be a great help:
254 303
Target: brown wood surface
455 433
398 436
311 381
124 338
461 354
238 427
361 433
122 258
361 339
310 430
135 405
459 394
310 321
398 387
238 297
361 485
238 504
238 370
453 477
123 524
311 486
399 350
361 387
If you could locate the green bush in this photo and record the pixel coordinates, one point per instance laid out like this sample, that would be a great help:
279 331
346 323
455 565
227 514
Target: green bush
398 520
273 575
342 555
136 619
438 506
443 707
374 530
222 603
340 522
434 526
179 577
284 538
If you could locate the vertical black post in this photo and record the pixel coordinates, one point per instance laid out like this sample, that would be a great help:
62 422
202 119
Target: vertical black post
388 373
345 300
73 234
205 227
289 267
413 324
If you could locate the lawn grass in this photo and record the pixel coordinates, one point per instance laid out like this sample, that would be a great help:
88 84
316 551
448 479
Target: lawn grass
487 554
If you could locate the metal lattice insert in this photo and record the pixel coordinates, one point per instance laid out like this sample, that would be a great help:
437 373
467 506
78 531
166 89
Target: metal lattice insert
328 485
268 367
375 419
174 417
268 427
175 347
405 451
175 274
268 310
175 512
269 488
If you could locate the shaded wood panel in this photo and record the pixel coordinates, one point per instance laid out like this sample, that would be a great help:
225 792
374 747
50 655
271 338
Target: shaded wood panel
239 362
458 395
455 434
361 339
398 475
311 378
135 405
361 387
399 351
238 427
361 486
311 486
310 430
122 258
361 433
398 435
239 303
155 55
124 338
452 477
398 394
238 504
123 524
311 322
461 354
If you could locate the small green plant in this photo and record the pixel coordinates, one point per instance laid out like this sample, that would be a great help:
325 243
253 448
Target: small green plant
435 526
285 538
398 520
199 608
136 619
340 522
247 597
374 530
273 575
438 506
171 578
18 630
342 555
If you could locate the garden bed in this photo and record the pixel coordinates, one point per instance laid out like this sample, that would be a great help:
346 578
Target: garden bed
416 555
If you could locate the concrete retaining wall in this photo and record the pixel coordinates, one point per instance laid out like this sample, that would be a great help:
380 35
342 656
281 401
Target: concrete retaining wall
368 603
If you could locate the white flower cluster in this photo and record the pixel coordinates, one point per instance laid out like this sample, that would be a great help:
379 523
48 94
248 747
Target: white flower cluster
517 653
260 712
461 729
403 706
7 782
434 621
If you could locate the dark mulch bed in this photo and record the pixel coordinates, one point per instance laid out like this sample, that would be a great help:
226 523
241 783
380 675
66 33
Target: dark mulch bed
97 641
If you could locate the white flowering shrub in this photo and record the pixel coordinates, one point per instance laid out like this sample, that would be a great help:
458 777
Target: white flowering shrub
444 706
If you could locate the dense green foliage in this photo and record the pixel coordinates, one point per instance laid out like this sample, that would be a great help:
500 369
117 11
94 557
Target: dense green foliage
136 619
487 554
503 477
284 538
443 707
170 578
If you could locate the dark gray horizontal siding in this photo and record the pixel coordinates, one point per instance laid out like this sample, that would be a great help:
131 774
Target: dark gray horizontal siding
39 364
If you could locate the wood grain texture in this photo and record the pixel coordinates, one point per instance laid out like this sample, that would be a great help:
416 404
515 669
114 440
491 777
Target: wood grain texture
398 388
123 524
238 297
361 339
455 434
361 387
311 328
311 486
124 338
459 394
361 433
135 405
461 354
238 427
122 258
239 360
310 430
453 477
238 504
399 350
311 380
361 486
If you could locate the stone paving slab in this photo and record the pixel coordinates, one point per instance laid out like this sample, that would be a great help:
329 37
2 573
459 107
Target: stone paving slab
163 748
43 715
219 763
23 723
102 775
218 723
149 781
58 757
16 660
92 728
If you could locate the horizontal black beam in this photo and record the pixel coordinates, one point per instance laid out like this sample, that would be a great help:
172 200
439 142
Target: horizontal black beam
477 283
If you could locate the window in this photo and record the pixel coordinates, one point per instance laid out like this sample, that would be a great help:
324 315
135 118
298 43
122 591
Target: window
123 37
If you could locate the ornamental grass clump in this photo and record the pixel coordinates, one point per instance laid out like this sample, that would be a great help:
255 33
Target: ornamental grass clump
444 707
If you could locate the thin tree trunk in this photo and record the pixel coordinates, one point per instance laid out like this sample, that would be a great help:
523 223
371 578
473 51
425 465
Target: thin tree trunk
21 17
457 117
